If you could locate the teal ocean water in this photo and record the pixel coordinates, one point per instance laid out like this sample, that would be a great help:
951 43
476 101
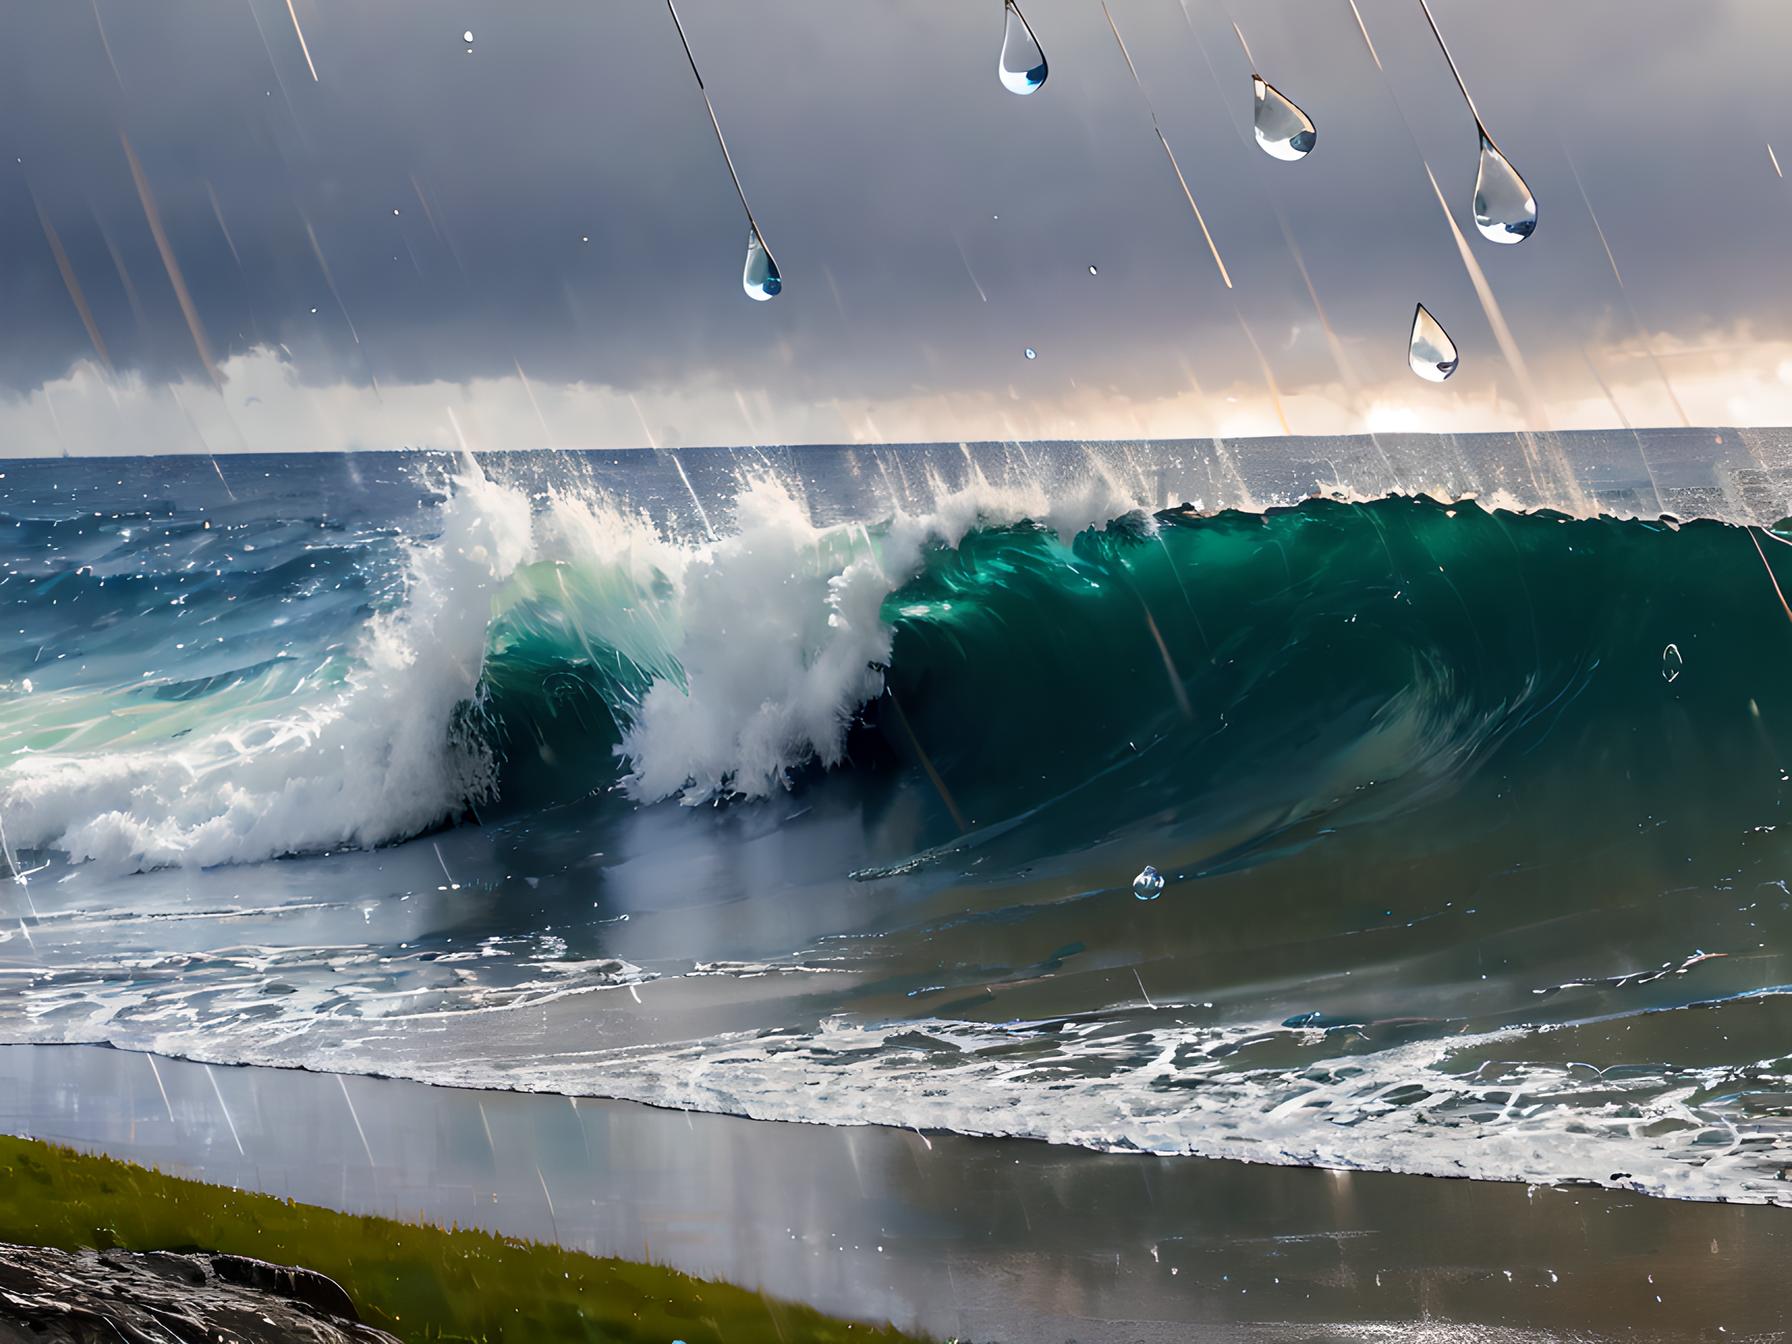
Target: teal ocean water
816 786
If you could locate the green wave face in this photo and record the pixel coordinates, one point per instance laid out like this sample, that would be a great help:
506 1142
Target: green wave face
1470 822
1235 675
1427 766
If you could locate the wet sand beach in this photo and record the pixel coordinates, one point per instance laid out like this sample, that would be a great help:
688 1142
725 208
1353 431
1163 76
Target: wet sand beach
983 1239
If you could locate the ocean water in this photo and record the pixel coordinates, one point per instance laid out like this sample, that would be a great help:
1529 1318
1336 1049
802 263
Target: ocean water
813 786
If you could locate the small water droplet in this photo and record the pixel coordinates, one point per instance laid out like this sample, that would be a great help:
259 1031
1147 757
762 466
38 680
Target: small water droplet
1022 66
1093 271
1432 353
761 277
1149 884
1672 664
1032 353
1505 210
1283 130
467 36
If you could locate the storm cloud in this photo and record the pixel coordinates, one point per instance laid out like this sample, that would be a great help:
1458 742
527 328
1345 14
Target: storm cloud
548 202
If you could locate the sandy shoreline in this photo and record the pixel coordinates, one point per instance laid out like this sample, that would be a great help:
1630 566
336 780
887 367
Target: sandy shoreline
986 1239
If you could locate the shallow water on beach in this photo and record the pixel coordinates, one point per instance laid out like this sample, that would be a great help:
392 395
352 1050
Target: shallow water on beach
982 1239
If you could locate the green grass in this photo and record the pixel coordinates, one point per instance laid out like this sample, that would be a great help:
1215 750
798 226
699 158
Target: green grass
418 1282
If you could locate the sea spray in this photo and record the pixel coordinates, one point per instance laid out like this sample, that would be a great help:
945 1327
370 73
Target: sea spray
369 762
1463 881
733 662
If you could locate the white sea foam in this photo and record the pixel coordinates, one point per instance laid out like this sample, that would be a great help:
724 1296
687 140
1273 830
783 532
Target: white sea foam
764 645
280 995
773 633
1179 1089
1170 1086
370 762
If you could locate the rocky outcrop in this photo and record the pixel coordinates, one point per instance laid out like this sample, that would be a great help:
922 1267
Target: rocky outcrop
155 1297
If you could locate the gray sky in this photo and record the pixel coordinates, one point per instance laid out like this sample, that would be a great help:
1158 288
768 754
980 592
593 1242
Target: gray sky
929 224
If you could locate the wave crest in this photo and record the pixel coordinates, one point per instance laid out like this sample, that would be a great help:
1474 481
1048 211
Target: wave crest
359 763
1016 646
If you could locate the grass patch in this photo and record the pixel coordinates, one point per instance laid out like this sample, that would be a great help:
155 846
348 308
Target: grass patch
418 1282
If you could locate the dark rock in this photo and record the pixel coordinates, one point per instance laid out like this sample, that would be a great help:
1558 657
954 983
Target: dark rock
52 1297
301 1285
177 1268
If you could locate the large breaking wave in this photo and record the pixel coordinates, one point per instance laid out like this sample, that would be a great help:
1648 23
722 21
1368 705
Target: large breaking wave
1470 816
1008 645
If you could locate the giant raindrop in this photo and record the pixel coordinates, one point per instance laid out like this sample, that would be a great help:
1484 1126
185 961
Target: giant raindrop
1432 353
760 279
1505 209
1283 130
1022 66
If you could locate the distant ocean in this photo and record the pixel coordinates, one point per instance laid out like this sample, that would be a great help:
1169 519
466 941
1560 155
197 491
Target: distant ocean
815 784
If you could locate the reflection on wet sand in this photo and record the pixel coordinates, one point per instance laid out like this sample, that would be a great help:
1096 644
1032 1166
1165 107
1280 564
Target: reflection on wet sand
985 1239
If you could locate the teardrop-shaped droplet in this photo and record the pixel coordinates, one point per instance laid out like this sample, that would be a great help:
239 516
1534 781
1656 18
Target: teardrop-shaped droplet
760 279
1505 210
1433 354
1283 130
1672 664
1022 66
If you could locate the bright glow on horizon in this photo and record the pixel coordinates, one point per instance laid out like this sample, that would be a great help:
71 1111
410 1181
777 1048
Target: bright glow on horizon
263 404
